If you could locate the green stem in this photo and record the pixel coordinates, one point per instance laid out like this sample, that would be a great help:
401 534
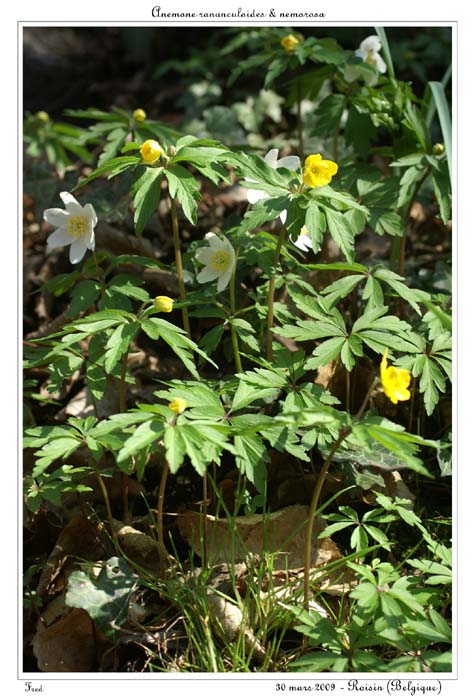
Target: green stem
122 409
107 503
343 433
299 120
406 217
178 264
234 335
204 519
272 287
163 554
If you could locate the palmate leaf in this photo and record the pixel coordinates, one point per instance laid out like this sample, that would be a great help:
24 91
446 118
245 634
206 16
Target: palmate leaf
112 167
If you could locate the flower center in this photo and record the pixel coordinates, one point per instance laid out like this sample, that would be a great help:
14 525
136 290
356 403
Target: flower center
77 226
370 59
220 261
304 231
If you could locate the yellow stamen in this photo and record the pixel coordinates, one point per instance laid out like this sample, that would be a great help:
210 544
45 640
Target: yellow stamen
77 226
220 261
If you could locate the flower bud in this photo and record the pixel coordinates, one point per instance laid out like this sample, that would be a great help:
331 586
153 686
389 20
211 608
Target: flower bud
139 115
150 151
171 151
438 149
289 43
178 405
163 304
43 116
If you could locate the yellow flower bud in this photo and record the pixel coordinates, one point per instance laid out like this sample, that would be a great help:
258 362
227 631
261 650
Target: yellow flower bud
178 405
289 43
139 115
163 304
150 151
438 149
318 172
43 116
395 381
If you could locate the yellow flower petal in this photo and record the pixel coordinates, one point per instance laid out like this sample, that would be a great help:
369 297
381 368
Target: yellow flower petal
163 304
178 405
395 381
150 151
318 172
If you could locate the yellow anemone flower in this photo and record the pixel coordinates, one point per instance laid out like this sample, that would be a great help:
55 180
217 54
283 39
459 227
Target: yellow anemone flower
289 43
178 405
395 381
43 116
318 172
150 151
163 304
139 115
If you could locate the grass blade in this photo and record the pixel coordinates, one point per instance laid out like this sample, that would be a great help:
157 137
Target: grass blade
444 117
386 51
428 97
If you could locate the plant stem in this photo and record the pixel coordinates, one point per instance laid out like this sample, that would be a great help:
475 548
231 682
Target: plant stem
178 264
163 554
406 219
107 503
122 409
234 335
343 433
299 120
272 286
204 520
347 391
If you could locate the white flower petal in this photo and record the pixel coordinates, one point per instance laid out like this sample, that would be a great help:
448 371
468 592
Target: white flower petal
283 216
371 43
91 241
271 157
360 53
56 217
213 240
90 214
224 279
303 242
204 255
71 204
380 63
290 162
254 196
77 250
207 275
59 238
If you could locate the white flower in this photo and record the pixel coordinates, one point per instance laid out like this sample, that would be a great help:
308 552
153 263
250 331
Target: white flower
303 241
219 260
271 158
368 51
74 226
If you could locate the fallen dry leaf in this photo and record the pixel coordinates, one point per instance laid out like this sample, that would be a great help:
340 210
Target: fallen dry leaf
67 640
281 532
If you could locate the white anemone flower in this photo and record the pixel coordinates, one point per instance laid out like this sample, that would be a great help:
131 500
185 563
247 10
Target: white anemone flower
271 158
303 241
219 261
74 226
368 51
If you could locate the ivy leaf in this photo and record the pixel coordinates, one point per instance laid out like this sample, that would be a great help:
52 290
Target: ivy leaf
106 596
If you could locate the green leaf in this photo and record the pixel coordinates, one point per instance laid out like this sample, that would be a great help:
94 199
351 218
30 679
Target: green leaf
175 448
441 186
184 187
328 114
326 352
341 232
105 596
83 296
445 119
315 221
118 344
146 197
113 167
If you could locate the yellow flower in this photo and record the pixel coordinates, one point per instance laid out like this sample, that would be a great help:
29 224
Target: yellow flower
150 151
43 116
178 405
139 115
163 304
395 381
318 172
290 42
